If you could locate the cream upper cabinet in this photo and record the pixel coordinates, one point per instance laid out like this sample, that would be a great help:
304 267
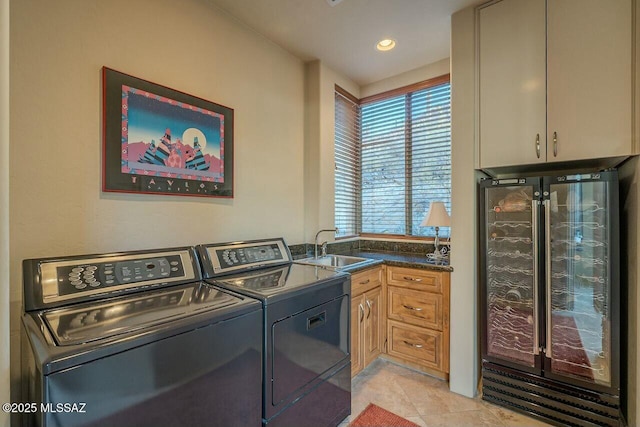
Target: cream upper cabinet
554 80
589 79
512 86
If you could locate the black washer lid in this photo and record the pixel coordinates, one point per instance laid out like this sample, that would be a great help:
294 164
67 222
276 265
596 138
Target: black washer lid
89 322
275 282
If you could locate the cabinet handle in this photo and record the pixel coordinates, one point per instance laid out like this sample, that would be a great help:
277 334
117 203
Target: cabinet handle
555 144
361 312
369 306
538 145
365 282
412 279
408 307
413 345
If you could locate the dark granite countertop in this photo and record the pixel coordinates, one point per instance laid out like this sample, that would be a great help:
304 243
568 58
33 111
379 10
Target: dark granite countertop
400 259
399 254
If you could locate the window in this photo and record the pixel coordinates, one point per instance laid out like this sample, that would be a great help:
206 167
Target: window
401 161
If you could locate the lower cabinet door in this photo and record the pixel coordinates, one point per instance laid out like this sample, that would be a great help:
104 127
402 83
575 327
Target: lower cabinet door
372 329
357 333
415 344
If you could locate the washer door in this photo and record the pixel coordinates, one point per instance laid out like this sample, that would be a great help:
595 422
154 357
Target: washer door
307 345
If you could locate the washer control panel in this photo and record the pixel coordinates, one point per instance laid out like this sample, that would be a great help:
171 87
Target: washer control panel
75 278
89 277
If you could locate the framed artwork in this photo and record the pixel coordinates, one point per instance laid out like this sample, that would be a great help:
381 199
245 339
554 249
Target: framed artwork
158 140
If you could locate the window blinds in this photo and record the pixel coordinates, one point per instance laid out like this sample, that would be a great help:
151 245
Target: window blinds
347 165
406 160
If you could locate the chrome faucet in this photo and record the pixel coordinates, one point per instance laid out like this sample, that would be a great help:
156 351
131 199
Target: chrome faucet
315 247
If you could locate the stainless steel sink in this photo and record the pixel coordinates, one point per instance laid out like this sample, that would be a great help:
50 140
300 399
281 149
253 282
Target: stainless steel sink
337 262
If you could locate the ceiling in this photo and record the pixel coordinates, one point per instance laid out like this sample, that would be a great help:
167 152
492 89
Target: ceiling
343 36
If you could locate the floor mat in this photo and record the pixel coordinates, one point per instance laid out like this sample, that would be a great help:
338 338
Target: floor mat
375 416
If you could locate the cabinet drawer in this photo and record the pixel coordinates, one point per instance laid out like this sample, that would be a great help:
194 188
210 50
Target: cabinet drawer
415 344
419 308
366 280
415 279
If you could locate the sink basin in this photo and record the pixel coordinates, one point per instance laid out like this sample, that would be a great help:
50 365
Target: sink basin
338 262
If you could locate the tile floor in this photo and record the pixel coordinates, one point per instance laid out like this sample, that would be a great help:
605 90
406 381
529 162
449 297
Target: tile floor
425 400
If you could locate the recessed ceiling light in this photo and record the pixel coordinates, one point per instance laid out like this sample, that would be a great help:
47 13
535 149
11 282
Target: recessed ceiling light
386 44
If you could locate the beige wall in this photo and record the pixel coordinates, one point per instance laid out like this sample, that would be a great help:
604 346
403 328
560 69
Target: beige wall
631 213
429 71
57 51
312 149
634 267
4 208
464 286
630 233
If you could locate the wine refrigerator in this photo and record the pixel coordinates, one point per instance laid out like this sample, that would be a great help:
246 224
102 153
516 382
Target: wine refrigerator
550 297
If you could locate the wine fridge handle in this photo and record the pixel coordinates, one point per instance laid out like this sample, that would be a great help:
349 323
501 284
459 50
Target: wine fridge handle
536 259
547 237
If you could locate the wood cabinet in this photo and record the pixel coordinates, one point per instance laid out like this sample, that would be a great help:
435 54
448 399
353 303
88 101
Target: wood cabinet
555 81
366 318
418 318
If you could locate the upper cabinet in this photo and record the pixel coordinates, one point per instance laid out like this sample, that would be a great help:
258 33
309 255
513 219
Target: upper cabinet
555 81
512 68
589 89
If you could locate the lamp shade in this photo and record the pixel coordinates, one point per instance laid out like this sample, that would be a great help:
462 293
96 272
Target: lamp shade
437 216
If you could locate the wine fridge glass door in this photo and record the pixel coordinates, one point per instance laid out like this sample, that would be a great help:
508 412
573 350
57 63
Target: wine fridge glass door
578 281
510 287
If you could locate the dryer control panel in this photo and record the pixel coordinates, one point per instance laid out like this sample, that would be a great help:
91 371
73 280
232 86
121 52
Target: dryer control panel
234 257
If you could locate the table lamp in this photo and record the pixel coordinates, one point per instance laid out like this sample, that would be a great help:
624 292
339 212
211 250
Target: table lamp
436 217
